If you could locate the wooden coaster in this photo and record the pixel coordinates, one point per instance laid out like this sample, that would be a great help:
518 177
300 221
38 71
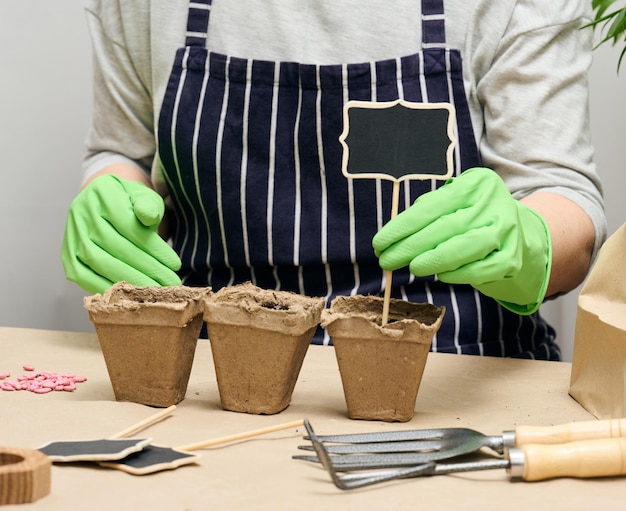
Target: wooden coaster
25 475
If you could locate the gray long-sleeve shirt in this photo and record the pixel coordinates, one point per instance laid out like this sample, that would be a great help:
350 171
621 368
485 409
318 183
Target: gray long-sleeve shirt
525 73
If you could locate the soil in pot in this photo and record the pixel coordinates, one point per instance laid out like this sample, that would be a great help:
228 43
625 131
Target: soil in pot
381 367
259 339
148 337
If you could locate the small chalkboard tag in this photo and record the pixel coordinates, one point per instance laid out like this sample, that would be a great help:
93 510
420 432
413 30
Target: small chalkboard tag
397 141
93 450
155 459
152 459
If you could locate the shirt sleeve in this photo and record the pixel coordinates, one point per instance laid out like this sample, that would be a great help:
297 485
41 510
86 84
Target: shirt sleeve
122 129
535 105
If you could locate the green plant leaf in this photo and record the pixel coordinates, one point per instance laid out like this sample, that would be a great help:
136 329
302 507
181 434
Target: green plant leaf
613 24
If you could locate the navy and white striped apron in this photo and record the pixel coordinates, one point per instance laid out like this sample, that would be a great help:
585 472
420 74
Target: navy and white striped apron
249 150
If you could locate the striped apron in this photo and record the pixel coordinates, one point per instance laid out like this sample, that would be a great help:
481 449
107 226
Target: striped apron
250 152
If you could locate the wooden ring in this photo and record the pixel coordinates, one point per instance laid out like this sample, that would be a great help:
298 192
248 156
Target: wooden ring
25 475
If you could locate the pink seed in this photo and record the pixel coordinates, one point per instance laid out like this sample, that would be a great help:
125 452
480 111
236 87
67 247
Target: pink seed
41 382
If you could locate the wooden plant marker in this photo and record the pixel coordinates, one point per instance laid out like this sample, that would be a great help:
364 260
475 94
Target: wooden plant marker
397 141
115 447
155 458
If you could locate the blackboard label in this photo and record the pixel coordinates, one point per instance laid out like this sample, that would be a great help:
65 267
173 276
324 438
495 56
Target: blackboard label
397 140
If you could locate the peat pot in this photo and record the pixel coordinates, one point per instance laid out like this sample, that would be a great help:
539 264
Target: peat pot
148 337
259 339
381 367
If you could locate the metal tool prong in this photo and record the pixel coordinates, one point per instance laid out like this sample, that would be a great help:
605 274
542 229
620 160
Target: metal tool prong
352 481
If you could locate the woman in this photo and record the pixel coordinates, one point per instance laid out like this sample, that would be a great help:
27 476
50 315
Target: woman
232 111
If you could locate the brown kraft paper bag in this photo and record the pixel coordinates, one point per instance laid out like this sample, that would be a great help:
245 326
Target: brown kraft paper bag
599 359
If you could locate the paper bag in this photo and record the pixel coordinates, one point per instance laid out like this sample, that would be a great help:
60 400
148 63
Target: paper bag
599 359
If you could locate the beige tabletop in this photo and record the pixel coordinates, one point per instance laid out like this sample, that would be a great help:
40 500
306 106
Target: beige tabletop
483 393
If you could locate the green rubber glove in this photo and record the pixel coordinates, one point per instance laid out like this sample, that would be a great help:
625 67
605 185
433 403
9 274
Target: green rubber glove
472 231
111 235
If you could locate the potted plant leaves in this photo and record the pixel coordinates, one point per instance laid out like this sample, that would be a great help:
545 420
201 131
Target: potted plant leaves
613 23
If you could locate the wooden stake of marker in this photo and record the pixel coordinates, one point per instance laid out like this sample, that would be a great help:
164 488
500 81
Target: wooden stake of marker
395 199
145 423
241 436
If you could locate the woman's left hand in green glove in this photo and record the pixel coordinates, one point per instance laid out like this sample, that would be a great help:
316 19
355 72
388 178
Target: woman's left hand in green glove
472 231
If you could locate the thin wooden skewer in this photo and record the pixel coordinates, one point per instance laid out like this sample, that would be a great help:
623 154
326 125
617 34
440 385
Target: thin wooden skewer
394 211
241 436
145 423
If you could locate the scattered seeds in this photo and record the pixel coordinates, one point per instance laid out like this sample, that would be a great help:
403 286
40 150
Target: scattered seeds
40 382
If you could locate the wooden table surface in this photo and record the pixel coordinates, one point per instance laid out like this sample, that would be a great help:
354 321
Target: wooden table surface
487 394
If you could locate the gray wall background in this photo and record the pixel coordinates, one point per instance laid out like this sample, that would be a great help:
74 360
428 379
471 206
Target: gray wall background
45 96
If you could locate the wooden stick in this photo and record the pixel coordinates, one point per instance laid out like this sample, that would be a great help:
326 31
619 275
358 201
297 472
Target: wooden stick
241 436
394 211
145 423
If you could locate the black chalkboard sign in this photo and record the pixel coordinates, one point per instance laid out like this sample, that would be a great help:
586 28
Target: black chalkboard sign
152 459
93 450
398 140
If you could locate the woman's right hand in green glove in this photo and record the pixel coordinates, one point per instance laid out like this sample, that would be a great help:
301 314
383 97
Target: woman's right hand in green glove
111 236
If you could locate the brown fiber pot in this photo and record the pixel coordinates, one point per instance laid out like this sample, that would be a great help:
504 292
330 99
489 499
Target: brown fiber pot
381 367
148 337
258 340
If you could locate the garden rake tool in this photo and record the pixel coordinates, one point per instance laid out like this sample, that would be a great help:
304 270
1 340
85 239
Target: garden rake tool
602 457
409 447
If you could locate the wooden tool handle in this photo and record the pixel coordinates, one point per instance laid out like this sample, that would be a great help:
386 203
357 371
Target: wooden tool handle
585 458
574 431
